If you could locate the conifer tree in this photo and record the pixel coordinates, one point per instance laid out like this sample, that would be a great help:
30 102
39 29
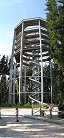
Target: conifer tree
55 27
4 70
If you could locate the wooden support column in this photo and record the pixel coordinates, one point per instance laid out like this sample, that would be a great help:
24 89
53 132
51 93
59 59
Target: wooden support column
41 63
14 75
24 84
11 72
21 57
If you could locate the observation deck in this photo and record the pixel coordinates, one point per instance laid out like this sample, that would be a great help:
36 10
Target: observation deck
27 39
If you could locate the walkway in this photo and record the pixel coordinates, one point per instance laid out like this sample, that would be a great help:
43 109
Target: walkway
28 127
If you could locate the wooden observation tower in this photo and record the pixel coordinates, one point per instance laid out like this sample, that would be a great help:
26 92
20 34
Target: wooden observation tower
30 51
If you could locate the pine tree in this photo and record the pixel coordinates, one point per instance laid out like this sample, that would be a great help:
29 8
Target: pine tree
53 20
55 27
4 65
4 70
61 45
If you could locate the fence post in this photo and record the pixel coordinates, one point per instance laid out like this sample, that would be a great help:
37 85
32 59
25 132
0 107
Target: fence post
50 112
0 113
51 106
17 120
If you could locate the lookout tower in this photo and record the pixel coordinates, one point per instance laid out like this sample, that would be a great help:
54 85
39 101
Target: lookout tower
30 51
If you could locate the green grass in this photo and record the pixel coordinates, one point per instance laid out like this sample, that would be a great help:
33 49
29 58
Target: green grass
28 105
15 105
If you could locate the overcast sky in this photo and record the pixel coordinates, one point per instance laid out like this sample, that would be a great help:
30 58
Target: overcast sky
13 12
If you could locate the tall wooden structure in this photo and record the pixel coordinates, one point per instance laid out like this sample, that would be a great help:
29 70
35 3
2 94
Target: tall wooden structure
30 50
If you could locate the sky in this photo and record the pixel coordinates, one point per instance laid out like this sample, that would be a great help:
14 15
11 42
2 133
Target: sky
12 12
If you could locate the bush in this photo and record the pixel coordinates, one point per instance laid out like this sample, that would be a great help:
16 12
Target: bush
61 107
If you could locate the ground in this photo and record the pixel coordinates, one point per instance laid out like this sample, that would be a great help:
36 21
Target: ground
28 127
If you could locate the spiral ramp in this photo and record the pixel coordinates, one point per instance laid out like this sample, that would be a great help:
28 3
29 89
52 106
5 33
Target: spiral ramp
35 79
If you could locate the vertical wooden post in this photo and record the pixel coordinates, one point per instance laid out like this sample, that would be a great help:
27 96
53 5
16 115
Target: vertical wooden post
51 111
24 84
17 120
41 64
21 56
0 113
11 71
14 75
